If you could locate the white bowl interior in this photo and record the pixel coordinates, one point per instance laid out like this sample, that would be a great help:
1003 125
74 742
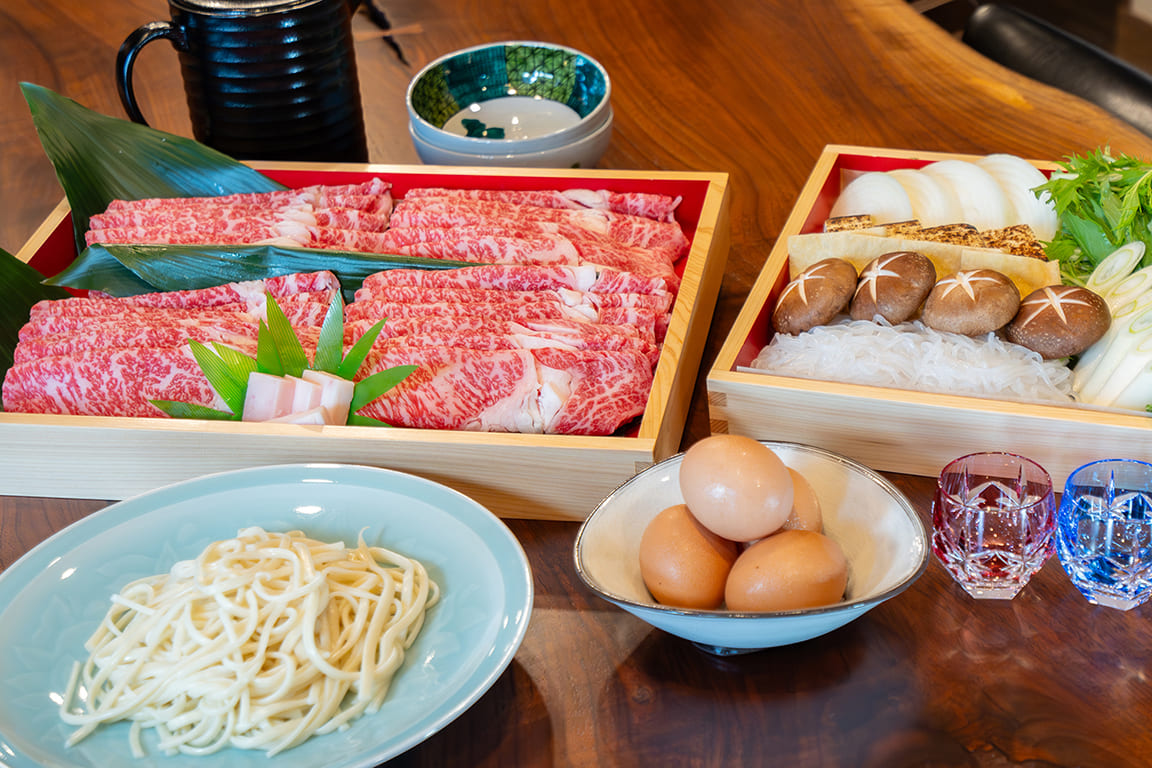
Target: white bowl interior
478 78
881 535
584 152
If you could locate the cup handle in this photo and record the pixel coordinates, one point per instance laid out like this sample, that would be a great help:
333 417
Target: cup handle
126 57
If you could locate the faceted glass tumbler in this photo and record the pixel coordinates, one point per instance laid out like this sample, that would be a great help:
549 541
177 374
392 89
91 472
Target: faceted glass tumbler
1104 532
993 520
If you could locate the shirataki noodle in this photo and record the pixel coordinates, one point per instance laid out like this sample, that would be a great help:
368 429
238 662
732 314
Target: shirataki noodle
260 642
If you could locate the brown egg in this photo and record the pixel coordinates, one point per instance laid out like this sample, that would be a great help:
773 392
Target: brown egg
787 571
736 486
684 564
806 514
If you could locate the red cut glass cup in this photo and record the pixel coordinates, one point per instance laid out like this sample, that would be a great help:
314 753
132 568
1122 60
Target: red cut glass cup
993 522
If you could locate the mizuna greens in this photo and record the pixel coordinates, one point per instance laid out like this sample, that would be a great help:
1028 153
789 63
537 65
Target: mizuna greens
1103 202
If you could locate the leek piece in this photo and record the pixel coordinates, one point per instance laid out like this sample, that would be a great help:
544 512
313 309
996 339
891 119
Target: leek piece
1137 394
1115 267
1090 359
1128 337
99 159
1131 287
1127 384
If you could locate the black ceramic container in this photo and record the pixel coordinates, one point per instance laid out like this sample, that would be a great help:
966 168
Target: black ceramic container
265 79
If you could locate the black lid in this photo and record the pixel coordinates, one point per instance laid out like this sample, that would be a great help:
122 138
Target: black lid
241 7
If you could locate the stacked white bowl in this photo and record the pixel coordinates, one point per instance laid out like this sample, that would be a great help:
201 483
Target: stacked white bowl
521 103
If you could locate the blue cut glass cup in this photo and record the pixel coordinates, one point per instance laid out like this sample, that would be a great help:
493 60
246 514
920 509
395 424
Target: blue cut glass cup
1104 532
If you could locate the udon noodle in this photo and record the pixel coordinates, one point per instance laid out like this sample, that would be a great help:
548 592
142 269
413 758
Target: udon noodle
260 642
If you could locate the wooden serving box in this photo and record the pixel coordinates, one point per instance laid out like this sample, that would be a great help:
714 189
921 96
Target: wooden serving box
514 475
891 429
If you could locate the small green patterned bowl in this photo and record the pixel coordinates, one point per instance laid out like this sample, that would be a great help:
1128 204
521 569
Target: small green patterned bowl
508 98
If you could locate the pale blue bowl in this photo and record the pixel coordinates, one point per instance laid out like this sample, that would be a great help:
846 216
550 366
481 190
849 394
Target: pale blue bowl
880 532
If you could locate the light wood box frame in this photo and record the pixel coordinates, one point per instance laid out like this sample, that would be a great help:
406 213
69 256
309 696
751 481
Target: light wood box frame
531 476
889 429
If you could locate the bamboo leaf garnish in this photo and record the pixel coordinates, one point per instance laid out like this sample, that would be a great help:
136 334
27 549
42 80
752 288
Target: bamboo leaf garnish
359 351
331 342
279 352
179 410
267 354
293 361
99 159
359 420
126 270
372 387
240 363
227 382
22 290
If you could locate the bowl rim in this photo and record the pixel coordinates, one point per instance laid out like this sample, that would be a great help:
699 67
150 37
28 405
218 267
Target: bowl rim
599 114
721 615
581 141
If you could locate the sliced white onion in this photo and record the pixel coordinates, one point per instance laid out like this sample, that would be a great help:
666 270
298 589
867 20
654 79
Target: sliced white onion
933 203
1018 177
877 194
983 202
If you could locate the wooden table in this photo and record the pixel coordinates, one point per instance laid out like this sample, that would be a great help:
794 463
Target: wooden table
755 89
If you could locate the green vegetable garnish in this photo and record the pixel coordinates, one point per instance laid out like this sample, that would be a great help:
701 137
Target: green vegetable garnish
99 159
1103 202
280 353
22 289
127 270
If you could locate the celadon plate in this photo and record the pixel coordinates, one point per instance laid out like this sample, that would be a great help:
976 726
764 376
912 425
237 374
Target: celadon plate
55 596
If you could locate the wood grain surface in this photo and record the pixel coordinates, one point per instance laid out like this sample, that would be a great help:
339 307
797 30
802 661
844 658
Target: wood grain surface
754 89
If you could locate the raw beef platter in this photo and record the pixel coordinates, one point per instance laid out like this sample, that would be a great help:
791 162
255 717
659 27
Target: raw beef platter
557 332
554 344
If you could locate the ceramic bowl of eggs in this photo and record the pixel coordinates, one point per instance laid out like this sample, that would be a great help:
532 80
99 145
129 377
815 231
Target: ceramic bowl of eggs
521 103
738 544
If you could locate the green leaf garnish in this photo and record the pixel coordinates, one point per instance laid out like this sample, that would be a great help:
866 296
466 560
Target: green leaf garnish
99 159
290 352
22 289
126 270
179 410
357 420
330 345
359 351
372 387
280 353
239 363
229 383
267 353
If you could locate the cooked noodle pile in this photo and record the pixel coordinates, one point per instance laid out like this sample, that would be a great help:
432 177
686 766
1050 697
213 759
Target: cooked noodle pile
258 643
913 356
